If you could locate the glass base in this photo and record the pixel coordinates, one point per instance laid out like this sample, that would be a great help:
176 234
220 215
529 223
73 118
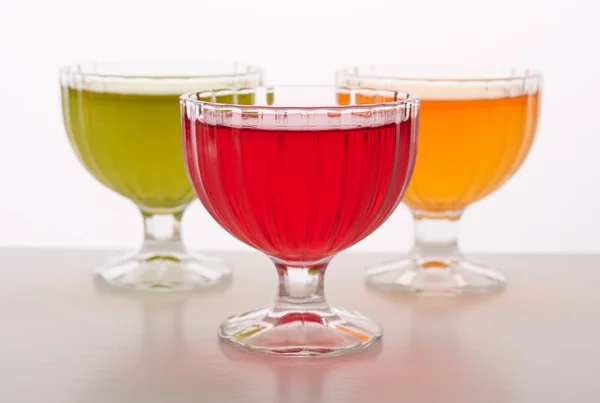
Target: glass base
165 272
314 333
433 277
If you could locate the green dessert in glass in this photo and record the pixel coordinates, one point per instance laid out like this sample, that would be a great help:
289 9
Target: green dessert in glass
123 122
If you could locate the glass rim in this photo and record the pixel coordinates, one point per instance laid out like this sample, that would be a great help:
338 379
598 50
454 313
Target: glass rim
76 69
522 74
192 98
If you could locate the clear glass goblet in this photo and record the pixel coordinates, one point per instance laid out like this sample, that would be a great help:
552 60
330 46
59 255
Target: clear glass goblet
301 175
123 123
476 129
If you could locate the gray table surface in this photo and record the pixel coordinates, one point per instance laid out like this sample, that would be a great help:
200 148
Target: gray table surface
65 338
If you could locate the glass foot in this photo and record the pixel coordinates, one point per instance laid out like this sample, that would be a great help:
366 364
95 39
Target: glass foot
323 332
436 277
165 272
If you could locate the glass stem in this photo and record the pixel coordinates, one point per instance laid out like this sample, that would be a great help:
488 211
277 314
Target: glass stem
436 235
162 232
301 287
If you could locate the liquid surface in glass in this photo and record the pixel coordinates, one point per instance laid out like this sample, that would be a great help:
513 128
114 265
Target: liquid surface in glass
468 148
299 195
132 144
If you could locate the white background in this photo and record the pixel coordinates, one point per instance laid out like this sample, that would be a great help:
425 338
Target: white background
48 199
